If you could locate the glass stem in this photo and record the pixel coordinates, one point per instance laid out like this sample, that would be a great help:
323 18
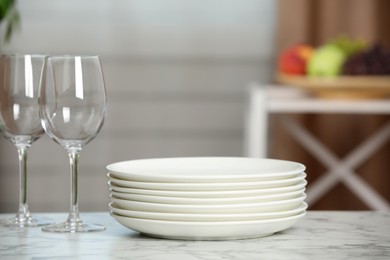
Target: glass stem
23 212
74 217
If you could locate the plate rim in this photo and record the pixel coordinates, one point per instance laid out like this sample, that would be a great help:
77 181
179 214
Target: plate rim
157 173
302 207
299 185
208 206
191 201
222 223
191 185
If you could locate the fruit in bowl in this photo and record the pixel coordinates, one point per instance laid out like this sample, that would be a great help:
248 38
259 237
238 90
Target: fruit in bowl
342 68
327 61
373 61
294 59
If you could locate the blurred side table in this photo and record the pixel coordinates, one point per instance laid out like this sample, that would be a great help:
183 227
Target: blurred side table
285 101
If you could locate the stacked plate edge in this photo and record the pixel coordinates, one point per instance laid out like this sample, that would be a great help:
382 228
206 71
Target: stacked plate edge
207 198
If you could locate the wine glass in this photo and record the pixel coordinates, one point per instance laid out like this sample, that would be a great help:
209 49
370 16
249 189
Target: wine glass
72 107
19 120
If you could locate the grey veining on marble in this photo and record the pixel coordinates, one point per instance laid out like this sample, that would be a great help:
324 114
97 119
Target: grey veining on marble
319 235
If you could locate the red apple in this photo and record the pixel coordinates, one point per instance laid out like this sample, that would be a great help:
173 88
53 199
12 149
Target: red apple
294 59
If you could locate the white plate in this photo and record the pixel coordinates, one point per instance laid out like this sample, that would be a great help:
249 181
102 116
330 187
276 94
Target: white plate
207 230
204 169
205 201
211 186
209 194
206 217
260 207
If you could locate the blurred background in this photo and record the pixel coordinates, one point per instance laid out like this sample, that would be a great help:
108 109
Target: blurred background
177 73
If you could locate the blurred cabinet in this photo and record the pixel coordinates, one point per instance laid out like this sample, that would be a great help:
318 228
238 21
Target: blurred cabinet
284 101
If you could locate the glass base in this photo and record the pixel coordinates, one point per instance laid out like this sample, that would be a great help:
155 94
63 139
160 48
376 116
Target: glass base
72 227
25 222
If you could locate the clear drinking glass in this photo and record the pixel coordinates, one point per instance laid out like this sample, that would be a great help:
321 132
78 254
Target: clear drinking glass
72 107
19 120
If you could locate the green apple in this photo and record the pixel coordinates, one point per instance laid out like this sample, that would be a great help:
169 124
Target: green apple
327 61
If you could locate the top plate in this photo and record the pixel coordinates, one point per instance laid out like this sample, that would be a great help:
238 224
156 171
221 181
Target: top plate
204 169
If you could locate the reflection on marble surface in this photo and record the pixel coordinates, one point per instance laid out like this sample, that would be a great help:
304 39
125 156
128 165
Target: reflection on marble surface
319 235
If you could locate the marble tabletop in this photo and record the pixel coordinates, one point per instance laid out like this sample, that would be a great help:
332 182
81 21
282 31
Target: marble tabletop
319 235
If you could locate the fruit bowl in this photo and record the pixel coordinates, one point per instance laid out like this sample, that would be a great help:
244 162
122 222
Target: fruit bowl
340 87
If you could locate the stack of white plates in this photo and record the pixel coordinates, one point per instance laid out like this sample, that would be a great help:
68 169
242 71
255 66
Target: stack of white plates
207 198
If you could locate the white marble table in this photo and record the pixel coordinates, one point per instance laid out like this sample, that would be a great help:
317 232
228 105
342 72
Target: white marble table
319 235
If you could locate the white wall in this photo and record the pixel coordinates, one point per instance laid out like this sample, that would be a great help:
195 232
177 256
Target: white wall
176 73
